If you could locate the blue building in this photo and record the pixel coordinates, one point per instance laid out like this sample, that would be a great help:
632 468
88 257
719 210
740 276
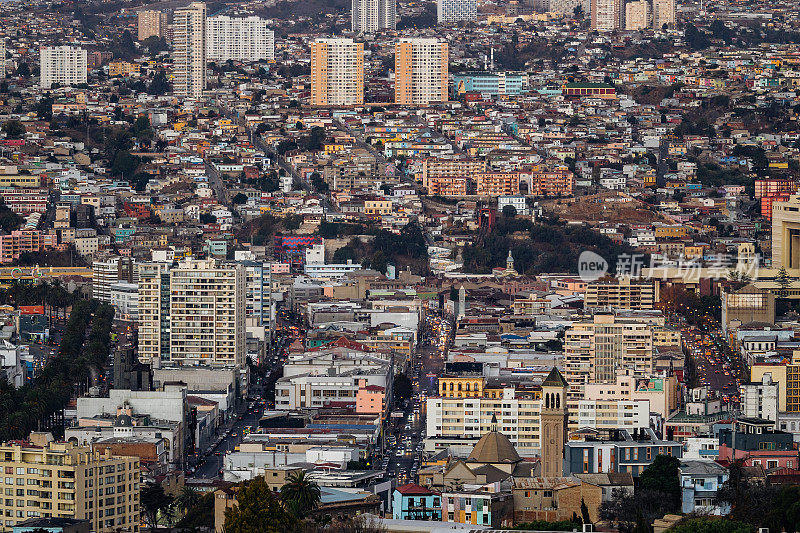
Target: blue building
700 481
490 83
413 502
619 451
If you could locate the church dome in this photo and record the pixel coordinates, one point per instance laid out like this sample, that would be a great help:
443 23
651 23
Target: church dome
494 448
123 421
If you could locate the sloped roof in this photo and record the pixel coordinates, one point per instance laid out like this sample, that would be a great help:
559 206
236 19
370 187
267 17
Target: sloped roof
554 379
412 489
494 447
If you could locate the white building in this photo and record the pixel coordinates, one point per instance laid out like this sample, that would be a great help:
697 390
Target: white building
760 398
239 39
111 270
607 15
456 10
663 13
370 16
63 65
125 299
192 313
333 270
515 201
637 15
189 56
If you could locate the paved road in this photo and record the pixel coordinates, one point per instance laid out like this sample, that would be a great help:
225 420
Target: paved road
213 462
714 369
217 184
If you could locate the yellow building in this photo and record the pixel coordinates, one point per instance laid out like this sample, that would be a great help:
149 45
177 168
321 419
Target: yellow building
788 378
19 180
378 207
670 232
337 72
122 68
421 71
48 479
461 386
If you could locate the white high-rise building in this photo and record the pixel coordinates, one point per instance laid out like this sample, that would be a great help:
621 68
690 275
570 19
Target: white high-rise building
607 15
663 13
239 39
456 10
567 7
189 43
637 15
760 398
65 65
370 16
192 313
151 24
2 57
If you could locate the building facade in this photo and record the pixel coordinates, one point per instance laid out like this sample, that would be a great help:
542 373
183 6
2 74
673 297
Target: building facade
596 350
189 43
622 451
239 39
370 16
620 293
151 23
607 15
637 15
664 13
448 11
192 313
65 480
337 72
62 65
421 71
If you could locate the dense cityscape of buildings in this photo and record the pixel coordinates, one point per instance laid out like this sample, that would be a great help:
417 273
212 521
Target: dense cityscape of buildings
459 264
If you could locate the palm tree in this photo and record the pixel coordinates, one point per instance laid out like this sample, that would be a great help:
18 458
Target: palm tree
300 494
154 502
187 499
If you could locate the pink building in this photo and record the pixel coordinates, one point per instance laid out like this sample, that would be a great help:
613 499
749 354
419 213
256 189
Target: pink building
24 240
758 443
369 399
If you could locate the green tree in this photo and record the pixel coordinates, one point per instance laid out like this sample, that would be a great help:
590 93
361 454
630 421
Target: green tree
663 476
9 220
14 129
23 70
585 513
188 498
240 198
155 44
783 280
154 502
641 525
258 511
509 211
300 494
200 515
711 525
124 164
159 85
402 388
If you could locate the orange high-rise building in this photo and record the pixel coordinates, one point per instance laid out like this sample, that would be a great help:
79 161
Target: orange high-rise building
337 72
421 72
